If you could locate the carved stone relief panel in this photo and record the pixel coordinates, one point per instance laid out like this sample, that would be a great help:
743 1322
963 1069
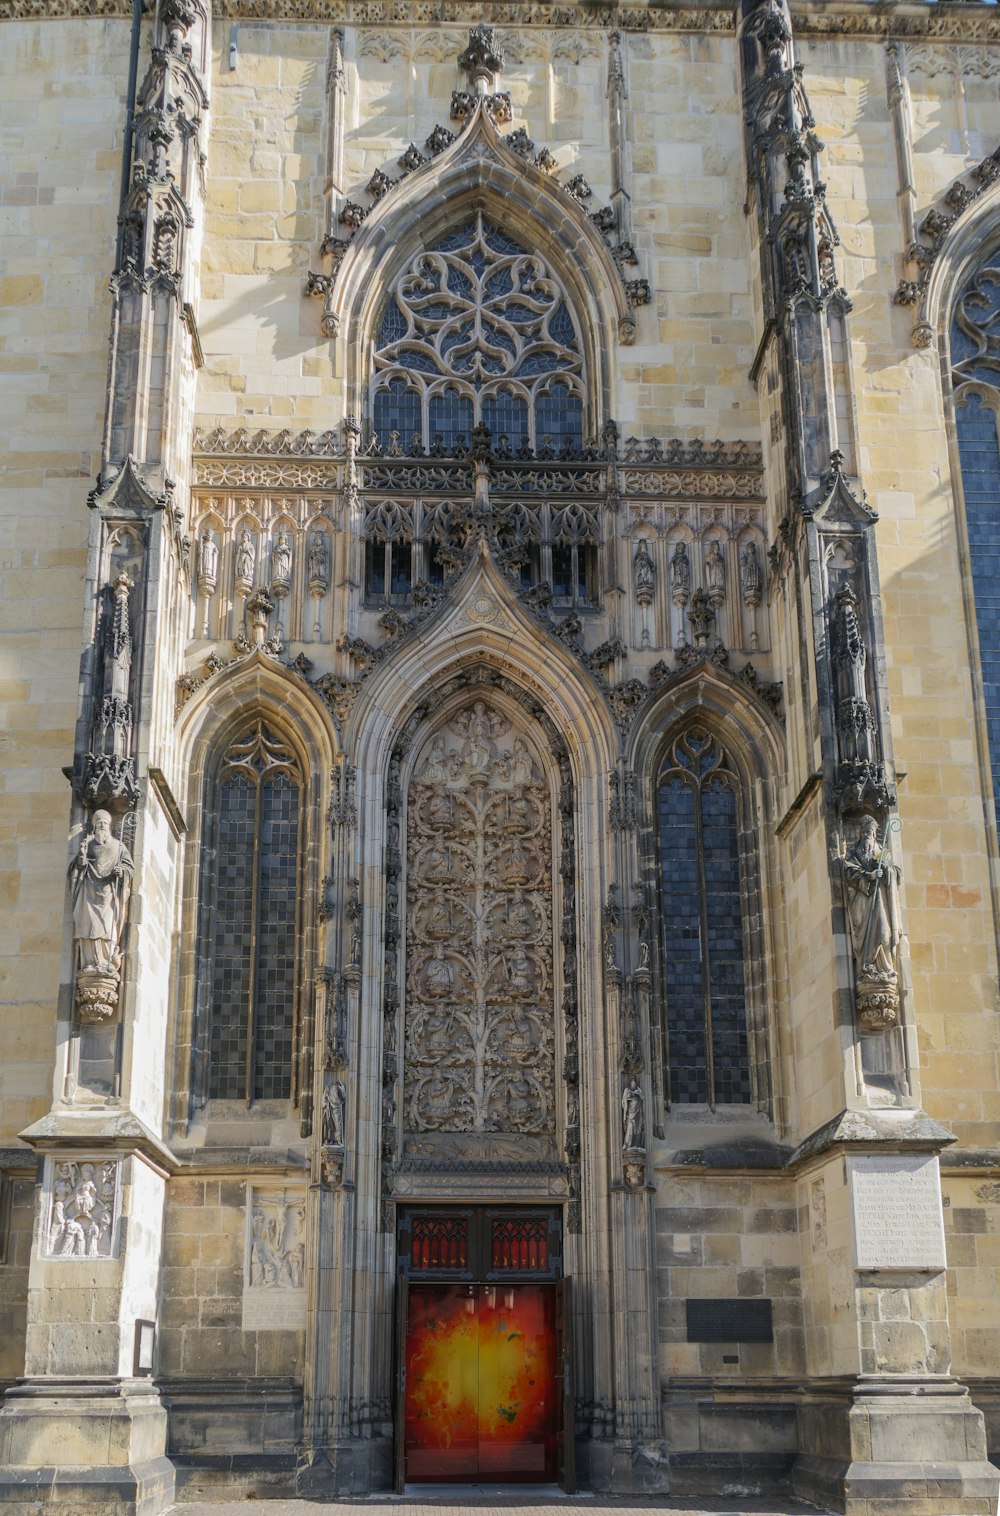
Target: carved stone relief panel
81 1208
479 1024
274 1294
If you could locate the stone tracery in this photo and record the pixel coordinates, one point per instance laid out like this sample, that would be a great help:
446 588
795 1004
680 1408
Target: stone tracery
479 1016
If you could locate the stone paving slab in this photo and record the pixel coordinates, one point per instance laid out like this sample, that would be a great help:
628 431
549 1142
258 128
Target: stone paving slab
435 1502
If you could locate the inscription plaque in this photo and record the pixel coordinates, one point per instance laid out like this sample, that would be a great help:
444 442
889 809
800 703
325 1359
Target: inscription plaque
729 1321
898 1221
273 1310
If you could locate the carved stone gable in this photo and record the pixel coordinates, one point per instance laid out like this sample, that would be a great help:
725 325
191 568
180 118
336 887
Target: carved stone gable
479 991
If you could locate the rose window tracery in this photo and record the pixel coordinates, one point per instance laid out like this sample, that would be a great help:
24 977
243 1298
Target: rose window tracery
477 331
479 1008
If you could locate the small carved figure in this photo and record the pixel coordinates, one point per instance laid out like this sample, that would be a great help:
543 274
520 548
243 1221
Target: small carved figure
263 1268
319 561
522 770
680 575
633 1117
644 573
873 905
751 578
715 573
438 865
100 880
208 563
436 767
246 559
281 560
293 1253
521 921
82 1211
478 750
334 1103
517 866
520 973
439 976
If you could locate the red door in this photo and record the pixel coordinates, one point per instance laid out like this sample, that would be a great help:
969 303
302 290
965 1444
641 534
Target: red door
482 1388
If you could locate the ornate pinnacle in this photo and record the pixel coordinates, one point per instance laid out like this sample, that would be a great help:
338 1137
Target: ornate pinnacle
482 59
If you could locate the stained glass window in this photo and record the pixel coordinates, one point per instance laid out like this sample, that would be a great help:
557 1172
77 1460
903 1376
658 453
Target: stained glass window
975 353
702 912
483 311
250 898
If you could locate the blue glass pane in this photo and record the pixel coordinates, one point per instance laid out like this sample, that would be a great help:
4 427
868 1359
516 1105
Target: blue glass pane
274 1009
230 900
506 415
724 948
393 325
682 942
396 409
561 327
559 415
977 442
451 420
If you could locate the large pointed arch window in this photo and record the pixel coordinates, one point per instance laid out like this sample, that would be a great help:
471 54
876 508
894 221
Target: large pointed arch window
703 890
248 960
975 356
477 330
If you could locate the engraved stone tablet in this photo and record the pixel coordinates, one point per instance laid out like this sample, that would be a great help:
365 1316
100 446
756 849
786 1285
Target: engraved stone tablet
898 1221
274 1310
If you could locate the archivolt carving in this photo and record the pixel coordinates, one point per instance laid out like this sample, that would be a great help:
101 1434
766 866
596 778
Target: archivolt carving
479 997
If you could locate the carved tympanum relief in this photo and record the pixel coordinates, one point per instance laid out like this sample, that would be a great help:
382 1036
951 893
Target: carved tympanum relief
479 1025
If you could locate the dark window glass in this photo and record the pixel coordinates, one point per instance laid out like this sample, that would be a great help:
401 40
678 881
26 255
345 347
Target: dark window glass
702 912
397 409
374 569
250 893
451 420
559 417
401 557
977 443
506 415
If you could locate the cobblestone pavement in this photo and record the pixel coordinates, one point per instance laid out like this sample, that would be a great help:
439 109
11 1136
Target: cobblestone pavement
429 1501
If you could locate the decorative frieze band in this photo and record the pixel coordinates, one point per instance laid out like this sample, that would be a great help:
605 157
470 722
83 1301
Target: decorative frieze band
966 23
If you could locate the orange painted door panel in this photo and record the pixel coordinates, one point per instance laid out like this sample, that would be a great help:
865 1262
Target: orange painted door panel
480 1389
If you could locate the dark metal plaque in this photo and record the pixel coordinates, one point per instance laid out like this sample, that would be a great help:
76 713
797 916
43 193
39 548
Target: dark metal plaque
729 1321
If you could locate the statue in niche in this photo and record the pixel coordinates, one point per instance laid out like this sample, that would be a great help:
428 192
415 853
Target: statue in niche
633 1117
246 559
751 578
100 882
208 563
439 976
644 574
319 561
715 573
680 575
872 883
281 560
334 1104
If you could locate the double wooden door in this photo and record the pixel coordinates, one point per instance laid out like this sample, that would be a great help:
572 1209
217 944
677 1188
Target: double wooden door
484 1389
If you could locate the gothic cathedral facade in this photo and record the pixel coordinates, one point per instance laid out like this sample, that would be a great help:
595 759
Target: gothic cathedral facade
501 749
